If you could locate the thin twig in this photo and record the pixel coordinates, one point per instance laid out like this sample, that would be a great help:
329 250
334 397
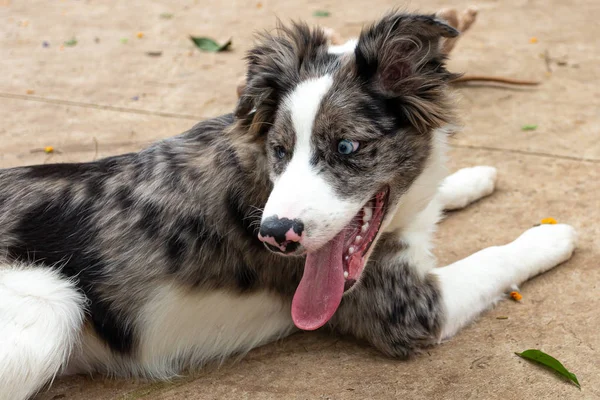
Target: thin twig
494 79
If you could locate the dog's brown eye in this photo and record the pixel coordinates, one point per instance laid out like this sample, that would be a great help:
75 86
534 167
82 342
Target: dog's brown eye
280 152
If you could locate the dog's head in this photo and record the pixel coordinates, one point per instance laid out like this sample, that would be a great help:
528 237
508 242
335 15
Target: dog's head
346 135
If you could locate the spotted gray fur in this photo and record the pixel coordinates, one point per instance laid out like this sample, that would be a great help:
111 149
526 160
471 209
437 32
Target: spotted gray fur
394 308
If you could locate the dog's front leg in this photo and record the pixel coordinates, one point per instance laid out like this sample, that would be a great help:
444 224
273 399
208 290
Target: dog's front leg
398 309
475 283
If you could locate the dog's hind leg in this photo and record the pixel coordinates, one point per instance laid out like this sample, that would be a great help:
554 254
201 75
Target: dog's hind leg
41 315
474 284
466 186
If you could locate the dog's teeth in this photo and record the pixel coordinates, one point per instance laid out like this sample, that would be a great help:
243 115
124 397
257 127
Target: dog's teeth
358 239
346 274
351 250
364 228
347 258
368 213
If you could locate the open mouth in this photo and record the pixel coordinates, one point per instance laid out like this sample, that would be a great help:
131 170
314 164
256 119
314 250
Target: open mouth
360 234
337 266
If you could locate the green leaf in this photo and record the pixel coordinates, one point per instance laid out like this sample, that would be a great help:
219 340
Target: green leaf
166 15
550 362
124 40
71 42
529 127
208 44
321 13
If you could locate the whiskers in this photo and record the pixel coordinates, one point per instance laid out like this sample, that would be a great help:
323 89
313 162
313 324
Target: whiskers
254 217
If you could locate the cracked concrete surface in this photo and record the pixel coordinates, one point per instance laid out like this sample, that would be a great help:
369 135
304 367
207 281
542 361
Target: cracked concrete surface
113 94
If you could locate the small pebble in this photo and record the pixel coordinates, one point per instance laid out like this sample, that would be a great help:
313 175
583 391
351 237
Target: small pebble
45 44
135 98
30 91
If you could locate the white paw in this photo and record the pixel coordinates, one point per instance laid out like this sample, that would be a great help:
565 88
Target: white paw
544 247
466 186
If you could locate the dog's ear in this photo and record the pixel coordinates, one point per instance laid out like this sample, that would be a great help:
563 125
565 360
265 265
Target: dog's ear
400 58
400 46
275 65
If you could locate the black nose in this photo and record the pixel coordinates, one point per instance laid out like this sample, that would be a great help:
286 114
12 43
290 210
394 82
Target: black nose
281 234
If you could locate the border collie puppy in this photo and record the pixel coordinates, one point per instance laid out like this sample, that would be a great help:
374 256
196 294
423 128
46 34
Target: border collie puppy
312 204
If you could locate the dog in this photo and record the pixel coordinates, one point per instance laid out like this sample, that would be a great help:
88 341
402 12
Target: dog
312 205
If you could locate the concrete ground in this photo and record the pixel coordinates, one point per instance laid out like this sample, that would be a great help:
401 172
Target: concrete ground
103 97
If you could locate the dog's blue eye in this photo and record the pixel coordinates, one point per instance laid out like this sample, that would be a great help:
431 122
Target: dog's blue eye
347 146
280 152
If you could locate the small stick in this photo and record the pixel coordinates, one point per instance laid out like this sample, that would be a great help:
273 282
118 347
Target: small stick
494 79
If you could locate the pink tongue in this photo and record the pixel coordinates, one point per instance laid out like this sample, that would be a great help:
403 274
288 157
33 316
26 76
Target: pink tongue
322 286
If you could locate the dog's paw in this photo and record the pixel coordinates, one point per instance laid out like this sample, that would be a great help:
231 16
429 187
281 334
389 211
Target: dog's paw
466 186
544 247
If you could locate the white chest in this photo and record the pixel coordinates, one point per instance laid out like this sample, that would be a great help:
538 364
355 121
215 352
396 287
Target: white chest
180 328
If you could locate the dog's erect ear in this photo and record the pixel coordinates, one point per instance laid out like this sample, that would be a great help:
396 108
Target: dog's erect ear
400 58
275 66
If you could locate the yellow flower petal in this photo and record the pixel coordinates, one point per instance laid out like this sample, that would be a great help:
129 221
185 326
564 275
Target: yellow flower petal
549 221
516 296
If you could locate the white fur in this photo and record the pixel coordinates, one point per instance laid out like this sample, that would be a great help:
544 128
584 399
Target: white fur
473 285
347 47
41 314
180 324
419 209
181 328
303 104
466 186
300 192
422 192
